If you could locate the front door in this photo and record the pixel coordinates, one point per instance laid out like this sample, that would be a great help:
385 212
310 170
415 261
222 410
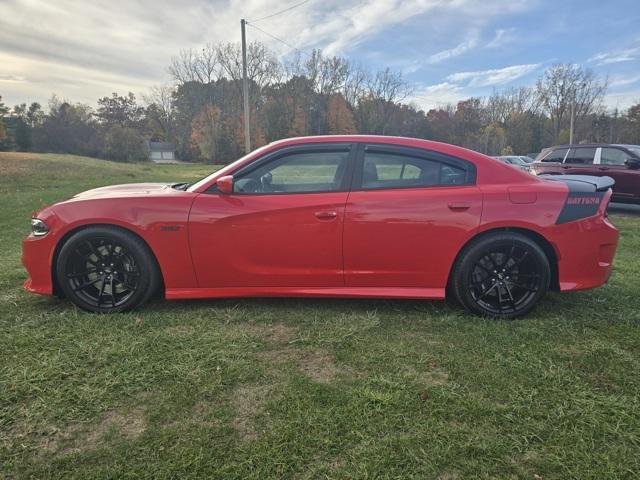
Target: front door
407 216
613 164
281 226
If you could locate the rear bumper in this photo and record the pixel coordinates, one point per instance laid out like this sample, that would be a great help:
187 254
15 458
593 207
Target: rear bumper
585 249
36 258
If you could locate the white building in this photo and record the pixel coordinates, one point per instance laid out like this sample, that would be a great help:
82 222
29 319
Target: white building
162 152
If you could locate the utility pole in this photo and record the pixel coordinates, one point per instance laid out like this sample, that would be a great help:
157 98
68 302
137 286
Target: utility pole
573 112
245 90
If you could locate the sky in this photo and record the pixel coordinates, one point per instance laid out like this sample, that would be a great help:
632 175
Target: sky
447 50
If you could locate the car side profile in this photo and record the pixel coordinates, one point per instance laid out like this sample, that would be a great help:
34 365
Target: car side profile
621 162
331 216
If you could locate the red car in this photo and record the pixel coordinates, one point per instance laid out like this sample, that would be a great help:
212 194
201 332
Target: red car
333 216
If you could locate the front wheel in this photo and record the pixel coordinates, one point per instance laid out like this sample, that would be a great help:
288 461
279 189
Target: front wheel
106 269
504 275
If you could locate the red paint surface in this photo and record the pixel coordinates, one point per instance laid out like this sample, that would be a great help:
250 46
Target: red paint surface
378 243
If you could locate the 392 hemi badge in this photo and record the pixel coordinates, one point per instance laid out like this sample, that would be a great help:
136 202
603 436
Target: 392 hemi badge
169 228
580 205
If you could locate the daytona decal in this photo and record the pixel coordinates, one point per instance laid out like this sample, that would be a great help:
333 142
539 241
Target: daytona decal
590 200
580 205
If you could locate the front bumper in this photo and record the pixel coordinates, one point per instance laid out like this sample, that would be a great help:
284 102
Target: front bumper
37 255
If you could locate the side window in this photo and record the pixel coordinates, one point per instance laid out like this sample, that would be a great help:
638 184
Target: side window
556 155
613 156
389 170
304 172
582 156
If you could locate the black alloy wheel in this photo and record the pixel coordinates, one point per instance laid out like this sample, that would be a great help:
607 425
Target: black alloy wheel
502 275
106 269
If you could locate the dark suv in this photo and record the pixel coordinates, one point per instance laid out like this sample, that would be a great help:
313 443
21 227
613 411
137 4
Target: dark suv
621 162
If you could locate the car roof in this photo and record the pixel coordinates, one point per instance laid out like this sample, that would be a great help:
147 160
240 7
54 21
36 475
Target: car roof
592 145
441 147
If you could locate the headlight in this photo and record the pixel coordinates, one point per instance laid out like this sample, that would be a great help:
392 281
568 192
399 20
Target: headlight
38 227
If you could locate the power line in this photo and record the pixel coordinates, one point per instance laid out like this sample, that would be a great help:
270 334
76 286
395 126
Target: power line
279 39
281 11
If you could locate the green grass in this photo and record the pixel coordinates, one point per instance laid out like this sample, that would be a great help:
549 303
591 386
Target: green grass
307 388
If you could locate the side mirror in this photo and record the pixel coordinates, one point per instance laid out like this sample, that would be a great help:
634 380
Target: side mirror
633 163
225 184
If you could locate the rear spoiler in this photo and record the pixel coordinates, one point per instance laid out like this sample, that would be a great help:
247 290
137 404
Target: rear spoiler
586 195
583 183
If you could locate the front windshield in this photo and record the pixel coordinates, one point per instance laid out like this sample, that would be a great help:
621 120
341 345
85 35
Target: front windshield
228 168
517 161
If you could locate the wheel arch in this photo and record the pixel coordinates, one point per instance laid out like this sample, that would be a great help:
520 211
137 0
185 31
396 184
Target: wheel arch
63 239
539 239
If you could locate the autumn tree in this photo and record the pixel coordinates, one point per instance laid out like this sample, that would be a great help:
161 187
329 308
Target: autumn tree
205 132
340 119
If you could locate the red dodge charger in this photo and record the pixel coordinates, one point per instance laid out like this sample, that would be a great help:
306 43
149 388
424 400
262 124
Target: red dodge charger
331 216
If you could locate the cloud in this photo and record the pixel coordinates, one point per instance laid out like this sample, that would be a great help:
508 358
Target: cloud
461 85
623 80
437 96
501 37
492 77
5 77
350 26
84 50
616 56
456 51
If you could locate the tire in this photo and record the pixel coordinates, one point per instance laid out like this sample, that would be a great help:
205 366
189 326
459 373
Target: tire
106 269
503 275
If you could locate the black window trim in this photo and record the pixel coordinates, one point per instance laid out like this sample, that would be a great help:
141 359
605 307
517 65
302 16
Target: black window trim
349 147
415 152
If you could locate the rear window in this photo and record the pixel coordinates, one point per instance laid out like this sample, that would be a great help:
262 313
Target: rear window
556 155
389 170
581 156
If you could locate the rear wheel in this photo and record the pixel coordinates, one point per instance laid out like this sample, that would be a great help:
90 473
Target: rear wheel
504 275
106 269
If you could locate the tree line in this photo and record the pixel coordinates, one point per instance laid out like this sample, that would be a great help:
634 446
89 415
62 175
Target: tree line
311 94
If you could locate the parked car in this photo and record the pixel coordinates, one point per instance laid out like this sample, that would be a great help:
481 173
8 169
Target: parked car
331 216
515 160
621 162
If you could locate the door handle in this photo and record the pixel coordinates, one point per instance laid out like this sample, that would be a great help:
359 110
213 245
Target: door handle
459 206
326 215
603 168
565 167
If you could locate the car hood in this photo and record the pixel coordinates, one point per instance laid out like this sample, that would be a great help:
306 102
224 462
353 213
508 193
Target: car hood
126 190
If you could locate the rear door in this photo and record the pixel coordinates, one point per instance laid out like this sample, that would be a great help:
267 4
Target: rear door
408 214
579 161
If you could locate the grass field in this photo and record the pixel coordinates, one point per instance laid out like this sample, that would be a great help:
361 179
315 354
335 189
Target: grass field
307 388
